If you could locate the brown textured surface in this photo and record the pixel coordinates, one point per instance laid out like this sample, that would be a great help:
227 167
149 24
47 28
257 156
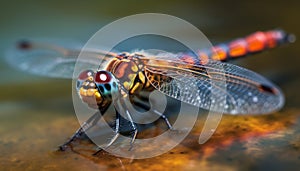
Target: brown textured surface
30 135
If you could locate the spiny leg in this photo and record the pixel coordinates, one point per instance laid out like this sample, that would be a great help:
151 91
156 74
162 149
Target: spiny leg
133 128
117 133
162 116
148 108
85 126
117 130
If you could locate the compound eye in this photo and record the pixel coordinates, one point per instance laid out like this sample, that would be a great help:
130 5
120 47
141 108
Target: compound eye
102 77
85 74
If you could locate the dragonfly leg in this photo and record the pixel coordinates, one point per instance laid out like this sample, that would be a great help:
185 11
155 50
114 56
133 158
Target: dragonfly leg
145 105
85 126
134 128
117 133
162 116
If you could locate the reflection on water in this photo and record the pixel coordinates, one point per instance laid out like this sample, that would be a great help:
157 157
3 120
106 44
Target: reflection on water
36 114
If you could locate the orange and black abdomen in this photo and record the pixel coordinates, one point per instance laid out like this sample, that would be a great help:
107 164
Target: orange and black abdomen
253 43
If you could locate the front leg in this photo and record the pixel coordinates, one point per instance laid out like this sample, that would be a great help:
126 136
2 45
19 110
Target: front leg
117 133
85 126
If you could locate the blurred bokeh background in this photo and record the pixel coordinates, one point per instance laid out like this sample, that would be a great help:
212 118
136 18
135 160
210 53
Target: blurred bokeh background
36 113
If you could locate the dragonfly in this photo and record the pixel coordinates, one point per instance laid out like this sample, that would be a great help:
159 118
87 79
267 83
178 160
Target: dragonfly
182 76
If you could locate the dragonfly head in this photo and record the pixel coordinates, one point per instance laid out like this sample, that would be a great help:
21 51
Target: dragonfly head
96 88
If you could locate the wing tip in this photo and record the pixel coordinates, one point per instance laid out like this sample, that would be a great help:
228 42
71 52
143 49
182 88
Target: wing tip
24 45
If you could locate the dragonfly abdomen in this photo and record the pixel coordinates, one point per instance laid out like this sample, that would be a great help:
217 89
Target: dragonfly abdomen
240 47
253 43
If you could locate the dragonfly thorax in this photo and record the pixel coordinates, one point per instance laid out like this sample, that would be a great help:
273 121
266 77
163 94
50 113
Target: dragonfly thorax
128 70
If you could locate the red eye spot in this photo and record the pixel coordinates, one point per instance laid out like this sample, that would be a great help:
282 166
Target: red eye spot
85 74
102 77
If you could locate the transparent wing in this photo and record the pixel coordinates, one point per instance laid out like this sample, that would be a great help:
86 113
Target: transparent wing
52 58
235 89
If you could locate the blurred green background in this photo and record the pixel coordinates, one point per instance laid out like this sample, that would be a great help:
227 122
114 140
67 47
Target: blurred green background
36 113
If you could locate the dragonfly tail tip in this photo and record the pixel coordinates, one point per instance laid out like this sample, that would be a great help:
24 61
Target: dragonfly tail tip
291 38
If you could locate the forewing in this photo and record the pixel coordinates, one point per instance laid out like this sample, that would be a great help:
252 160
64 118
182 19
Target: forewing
216 86
52 58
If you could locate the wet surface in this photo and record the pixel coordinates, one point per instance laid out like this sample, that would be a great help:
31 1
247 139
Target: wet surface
240 143
36 114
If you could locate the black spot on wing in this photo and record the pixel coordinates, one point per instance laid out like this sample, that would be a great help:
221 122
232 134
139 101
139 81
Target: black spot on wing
267 89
